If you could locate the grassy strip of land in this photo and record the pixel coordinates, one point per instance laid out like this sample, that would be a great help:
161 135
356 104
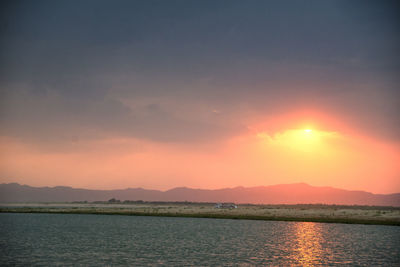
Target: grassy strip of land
299 213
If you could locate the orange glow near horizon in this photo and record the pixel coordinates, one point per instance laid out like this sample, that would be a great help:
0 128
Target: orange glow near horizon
313 153
165 95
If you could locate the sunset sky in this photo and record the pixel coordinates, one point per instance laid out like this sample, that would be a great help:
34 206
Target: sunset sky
203 94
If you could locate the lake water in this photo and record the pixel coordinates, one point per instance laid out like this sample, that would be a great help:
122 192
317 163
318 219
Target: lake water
97 240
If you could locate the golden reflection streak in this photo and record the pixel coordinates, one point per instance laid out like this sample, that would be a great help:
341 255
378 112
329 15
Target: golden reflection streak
308 248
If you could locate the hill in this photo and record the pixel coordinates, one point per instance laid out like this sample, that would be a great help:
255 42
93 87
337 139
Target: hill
299 193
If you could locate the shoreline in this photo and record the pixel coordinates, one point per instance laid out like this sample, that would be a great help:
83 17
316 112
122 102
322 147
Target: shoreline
328 214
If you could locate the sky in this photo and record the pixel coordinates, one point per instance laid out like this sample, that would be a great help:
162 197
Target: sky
203 94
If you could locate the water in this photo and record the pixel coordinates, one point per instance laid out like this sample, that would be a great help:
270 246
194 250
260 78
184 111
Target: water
57 239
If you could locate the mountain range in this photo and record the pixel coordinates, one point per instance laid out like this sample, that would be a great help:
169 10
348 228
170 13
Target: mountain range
299 193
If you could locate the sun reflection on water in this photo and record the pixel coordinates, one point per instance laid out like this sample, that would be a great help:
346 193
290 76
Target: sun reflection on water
308 249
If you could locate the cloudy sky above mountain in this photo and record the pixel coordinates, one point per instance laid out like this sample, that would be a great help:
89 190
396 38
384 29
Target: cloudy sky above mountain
158 94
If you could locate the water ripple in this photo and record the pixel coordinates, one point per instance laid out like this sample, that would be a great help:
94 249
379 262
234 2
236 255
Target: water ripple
99 240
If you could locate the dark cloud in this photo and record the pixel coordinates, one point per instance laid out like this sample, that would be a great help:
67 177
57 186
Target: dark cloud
50 118
68 66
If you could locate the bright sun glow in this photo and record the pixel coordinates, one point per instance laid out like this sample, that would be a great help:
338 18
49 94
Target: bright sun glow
306 140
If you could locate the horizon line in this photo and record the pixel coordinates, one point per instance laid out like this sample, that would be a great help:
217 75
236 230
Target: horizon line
205 189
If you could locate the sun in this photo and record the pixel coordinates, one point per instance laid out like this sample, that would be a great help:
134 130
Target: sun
302 139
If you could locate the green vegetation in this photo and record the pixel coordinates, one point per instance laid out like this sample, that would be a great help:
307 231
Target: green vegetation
307 213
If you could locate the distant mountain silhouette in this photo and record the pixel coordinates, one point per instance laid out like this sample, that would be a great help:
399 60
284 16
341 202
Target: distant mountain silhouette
300 193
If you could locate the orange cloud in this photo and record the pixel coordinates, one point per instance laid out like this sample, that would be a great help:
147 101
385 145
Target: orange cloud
319 156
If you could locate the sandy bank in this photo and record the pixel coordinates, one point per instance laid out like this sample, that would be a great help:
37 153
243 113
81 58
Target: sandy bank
310 213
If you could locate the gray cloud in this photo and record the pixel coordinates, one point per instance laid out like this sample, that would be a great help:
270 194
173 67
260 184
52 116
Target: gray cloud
50 117
67 68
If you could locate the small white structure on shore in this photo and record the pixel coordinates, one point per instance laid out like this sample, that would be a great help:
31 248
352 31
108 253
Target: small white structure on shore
225 206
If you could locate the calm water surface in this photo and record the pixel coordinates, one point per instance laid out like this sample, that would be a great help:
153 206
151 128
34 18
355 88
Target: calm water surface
57 239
